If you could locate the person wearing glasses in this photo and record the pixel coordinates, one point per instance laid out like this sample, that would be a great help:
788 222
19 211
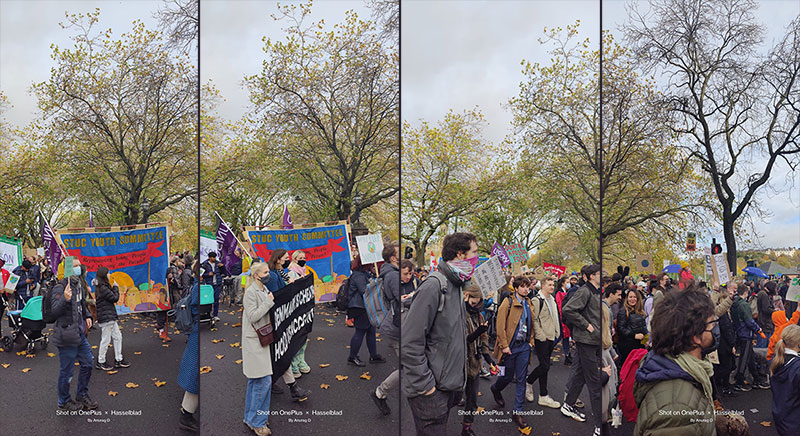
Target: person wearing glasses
673 384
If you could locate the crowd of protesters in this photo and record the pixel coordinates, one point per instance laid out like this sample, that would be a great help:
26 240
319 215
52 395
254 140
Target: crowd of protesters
660 351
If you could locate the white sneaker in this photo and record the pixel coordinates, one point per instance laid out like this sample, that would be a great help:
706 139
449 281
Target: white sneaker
529 392
548 402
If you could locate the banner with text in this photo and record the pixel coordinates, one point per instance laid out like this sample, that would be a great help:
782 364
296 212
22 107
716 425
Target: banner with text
500 252
136 260
11 252
292 320
556 270
517 253
208 243
327 249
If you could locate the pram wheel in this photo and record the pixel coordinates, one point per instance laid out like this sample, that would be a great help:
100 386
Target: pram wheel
30 347
8 344
45 343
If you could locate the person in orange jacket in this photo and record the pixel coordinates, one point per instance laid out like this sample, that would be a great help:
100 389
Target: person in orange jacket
780 321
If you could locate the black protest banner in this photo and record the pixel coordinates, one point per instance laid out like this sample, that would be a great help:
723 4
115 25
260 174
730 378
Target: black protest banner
292 320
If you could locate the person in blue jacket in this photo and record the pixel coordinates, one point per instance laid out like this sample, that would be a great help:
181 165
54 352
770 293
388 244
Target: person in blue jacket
189 372
785 371
213 272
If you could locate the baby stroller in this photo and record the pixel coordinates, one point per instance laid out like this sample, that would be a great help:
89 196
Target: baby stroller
206 305
26 324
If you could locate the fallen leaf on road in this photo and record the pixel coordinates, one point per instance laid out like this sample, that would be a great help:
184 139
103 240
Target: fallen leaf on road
479 410
238 324
329 320
220 356
324 365
22 353
112 372
341 377
137 352
94 347
26 369
51 354
6 365
165 345
216 341
205 369
77 364
347 346
320 338
480 394
160 383
324 386
526 431
330 325
154 379
766 423
131 385
238 362
112 394
213 329
366 376
30 356
378 339
225 323
234 345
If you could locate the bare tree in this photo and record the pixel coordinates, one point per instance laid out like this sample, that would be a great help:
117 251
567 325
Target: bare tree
181 21
735 108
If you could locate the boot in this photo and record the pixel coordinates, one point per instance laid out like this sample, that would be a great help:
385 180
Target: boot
187 421
298 394
519 421
163 335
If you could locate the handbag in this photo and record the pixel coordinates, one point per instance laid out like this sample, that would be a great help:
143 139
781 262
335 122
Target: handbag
265 334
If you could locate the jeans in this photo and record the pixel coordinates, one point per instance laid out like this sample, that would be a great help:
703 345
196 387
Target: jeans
358 338
543 350
565 346
66 357
392 380
516 366
586 371
431 412
471 400
256 401
110 331
217 289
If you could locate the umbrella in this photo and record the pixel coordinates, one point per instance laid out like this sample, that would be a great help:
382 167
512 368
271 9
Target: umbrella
674 268
755 271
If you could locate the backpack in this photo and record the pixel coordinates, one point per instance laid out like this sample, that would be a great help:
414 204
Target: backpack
183 315
726 329
753 301
343 296
47 300
569 295
376 304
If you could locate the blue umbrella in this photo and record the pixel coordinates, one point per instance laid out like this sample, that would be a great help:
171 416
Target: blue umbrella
755 271
674 268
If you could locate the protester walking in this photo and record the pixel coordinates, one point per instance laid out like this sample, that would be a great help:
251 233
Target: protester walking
360 277
390 327
189 371
477 351
547 330
106 295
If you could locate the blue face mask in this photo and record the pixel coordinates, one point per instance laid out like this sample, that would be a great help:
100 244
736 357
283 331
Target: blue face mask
76 270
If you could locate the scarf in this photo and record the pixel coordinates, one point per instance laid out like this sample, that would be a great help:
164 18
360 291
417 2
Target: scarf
462 268
701 370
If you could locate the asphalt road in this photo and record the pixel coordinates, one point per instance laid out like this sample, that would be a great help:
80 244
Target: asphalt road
755 405
223 389
30 400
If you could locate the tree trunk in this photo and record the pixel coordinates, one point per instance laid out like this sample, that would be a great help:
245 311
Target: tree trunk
730 240
419 250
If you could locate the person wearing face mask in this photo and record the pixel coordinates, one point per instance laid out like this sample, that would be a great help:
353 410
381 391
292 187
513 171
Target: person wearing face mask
673 386
73 321
515 339
298 270
477 349
213 272
433 352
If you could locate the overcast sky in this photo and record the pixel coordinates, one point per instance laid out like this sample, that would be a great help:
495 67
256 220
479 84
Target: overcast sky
463 54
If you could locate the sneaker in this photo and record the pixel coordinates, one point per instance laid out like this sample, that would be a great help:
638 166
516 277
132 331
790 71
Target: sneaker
762 385
188 422
87 403
216 319
570 411
742 388
296 374
355 361
498 396
304 368
263 431
568 361
596 431
547 401
349 322
377 359
164 337
103 366
529 392
381 403
70 406
485 374
298 394
121 363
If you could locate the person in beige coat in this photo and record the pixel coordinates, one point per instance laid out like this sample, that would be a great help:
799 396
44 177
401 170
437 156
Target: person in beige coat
256 359
547 331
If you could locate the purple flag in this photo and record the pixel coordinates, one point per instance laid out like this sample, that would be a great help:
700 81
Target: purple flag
287 219
226 244
50 242
500 252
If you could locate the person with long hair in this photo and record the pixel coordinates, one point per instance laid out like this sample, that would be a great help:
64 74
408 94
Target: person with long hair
106 296
785 370
297 270
361 275
631 324
562 287
256 359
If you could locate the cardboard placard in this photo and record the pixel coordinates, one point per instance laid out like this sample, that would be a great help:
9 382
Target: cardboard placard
793 293
644 263
489 276
720 270
370 248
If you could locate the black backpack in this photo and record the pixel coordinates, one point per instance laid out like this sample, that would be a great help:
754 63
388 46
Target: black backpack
569 295
343 296
47 300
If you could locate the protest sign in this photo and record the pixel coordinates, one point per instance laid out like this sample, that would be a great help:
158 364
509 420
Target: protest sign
208 243
11 252
500 253
517 253
370 248
292 320
40 251
136 260
707 258
11 283
326 246
489 276
720 273
793 293
556 270
691 241
644 263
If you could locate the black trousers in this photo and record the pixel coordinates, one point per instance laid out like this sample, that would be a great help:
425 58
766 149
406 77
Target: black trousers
431 412
586 371
746 361
471 400
722 371
543 350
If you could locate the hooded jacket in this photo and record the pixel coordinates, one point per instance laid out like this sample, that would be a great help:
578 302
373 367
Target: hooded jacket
786 396
670 400
433 350
582 309
107 296
780 321
70 314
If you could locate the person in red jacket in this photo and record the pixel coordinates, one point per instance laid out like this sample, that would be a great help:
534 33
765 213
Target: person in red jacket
562 287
